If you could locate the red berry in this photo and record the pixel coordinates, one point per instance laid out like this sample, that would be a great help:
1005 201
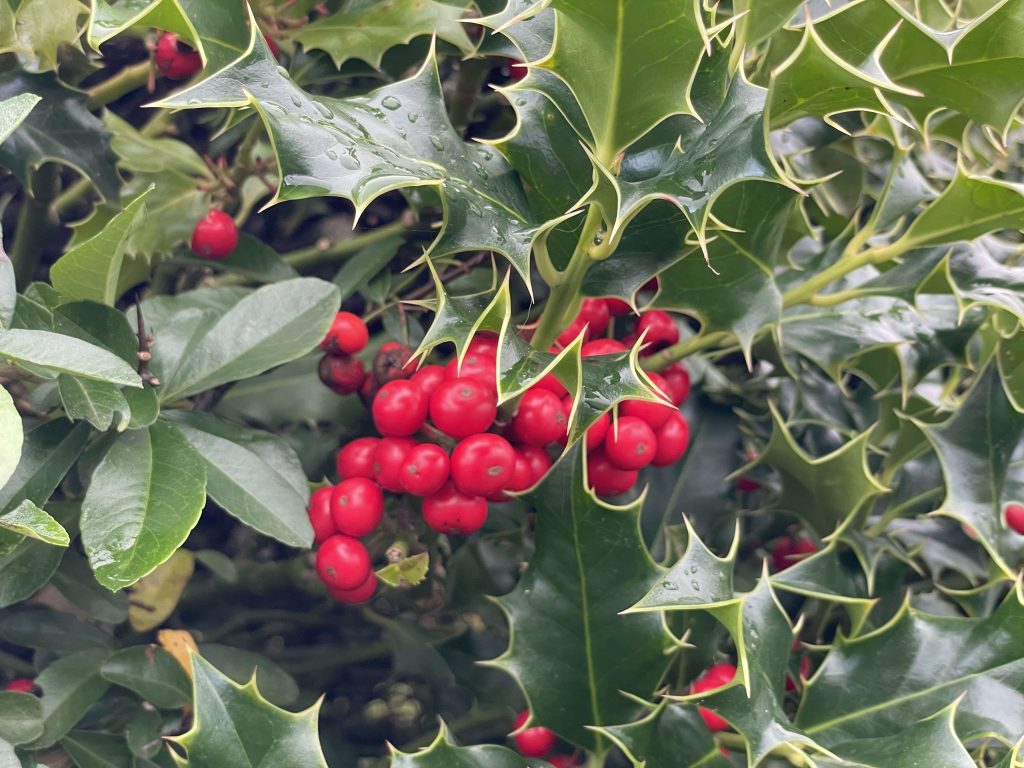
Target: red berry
677 380
342 562
355 459
540 419
425 469
630 443
320 514
747 484
715 677
605 478
393 361
451 511
215 236
566 337
275 50
617 307
661 330
522 478
788 551
595 313
516 70
805 672
348 335
602 347
344 374
532 742
484 343
428 379
538 460
21 685
399 409
673 440
357 506
1015 517
597 431
552 384
654 414
388 459
482 368
360 594
483 464
175 61
463 407
563 761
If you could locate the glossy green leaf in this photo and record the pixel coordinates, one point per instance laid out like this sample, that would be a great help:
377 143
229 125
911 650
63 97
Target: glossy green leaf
978 278
99 325
273 682
8 289
70 686
14 110
1011 369
235 725
25 569
152 673
571 651
75 580
90 749
100 403
47 454
63 354
443 753
255 476
673 734
27 519
825 576
144 497
762 18
36 30
21 717
47 629
11 436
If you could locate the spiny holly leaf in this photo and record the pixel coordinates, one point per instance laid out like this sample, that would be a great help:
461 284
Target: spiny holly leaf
570 650
822 491
529 25
36 29
975 447
14 110
235 725
367 29
892 693
673 734
360 147
59 129
760 20
29 520
442 753
978 278
603 51
824 576
1011 369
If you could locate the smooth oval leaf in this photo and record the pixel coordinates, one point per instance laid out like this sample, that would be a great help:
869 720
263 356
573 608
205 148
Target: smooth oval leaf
151 672
70 686
65 354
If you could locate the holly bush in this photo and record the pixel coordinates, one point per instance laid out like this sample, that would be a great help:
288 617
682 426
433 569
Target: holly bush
438 383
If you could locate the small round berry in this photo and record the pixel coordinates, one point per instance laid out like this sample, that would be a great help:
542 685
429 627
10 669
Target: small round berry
425 469
516 70
563 761
594 312
347 336
215 236
482 368
532 742
617 307
342 562
661 330
463 407
360 594
355 459
399 409
602 347
319 511
428 378
483 343
655 414
174 60
357 506
538 460
715 677
788 551
576 327
483 464
630 443
552 384
275 49
451 511
673 440
343 374
393 361
1015 517
522 478
388 459
597 431
540 419
21 685
605 478
677 380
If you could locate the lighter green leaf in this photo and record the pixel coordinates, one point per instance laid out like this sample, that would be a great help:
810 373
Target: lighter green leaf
407 572
152 673
36 29
70 686
29 520
65 354
12 436
98 402
47 454
21 717
14 110
1011 369
97 750
673 734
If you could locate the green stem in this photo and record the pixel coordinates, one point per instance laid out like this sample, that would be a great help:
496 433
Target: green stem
35 225
807 291
125 81
685 348
316 255
472 74
70 197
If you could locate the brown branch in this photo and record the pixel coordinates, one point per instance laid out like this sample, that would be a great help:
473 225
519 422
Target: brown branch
145 345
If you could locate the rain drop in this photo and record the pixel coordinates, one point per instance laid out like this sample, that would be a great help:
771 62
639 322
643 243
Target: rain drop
323 110
670 585
331 154
412 117
282 71
438 144
296 100
390 102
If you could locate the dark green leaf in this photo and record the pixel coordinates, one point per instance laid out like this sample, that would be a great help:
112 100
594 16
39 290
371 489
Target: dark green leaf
74 579
51 630
48 453
442 753
364 264
276 685
673 734
152 673
21 717
97 750
65 354
70 686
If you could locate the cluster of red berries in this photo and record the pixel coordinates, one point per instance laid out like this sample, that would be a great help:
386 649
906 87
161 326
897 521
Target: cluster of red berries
538 741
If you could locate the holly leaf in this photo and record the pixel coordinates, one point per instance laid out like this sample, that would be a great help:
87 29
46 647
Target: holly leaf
145 496
36 29
978 278
60 129
14 110
824 576
235 725
672 734
572 652
889 697
367 29
27 519
442 753
1011 369
761 19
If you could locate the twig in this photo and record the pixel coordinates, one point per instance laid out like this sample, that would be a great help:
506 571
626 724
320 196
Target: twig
145 345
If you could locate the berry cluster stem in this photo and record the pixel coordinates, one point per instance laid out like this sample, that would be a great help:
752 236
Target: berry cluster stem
807 292
127 80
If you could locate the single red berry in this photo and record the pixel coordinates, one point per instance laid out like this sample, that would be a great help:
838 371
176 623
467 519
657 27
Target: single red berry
21 685
484 343
1015 517
605 478
661 330
342 562
369 391
175 60
348 335
463 407
655 414
320 514
805 672
597 431
388 459
532 742
540 419
343 374
522 478
483 464
355 459
482 368
538 460
516 70
562 761
673 440
630 443
357 506
360 594
275 49
595 313
428 378
747 484
215 236
602 347
399 409
714 677
451 511
425 469
393 361
618 307
788 551
552 384
651 285
576 327
677 380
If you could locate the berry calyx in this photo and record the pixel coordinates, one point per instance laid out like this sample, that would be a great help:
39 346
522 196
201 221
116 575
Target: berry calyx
343 374
451 511
532 742
1014 514
715 677
388 459
355 459
357 506
540 419
463 407
673 439
319 511
342 562
630 444
605 478
348 335
215 236
360 594
21 685
399 409
483 464
425 469
173 59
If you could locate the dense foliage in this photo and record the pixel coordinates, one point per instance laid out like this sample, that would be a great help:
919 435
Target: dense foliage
565 214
